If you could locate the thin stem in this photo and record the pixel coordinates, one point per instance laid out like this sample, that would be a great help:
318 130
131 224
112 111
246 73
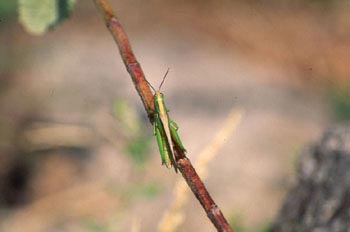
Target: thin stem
142 87
132 65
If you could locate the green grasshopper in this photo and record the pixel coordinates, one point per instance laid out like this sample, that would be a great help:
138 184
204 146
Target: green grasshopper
165 129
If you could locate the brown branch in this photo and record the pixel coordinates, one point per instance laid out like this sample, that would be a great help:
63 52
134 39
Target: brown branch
133 67
141 85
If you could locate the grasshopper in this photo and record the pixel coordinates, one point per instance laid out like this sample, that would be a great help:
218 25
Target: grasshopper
165 129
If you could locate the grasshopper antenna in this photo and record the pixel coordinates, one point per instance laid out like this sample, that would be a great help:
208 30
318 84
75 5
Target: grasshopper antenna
150 85
167 71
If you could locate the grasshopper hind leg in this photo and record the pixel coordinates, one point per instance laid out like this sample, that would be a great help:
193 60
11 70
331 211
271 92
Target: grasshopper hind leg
173 130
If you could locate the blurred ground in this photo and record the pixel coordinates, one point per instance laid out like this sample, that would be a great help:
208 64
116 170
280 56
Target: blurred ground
64 165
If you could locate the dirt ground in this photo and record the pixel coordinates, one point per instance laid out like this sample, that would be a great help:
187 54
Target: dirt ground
276 60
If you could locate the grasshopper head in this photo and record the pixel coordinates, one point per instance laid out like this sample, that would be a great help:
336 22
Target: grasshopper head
158 96
158 101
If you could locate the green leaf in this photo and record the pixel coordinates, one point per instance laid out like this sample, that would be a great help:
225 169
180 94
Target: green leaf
92 225
237 222
266 227
138 149
7 9
39 16
127 116
340 102
143 190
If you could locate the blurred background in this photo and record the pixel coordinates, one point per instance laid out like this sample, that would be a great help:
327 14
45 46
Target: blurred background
77 151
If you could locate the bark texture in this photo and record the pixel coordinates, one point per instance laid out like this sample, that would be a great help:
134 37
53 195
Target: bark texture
320 199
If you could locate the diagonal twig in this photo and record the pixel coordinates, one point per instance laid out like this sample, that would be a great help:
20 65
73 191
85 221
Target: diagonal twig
133 66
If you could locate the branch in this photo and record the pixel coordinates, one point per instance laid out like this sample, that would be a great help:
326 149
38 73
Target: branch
141 85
